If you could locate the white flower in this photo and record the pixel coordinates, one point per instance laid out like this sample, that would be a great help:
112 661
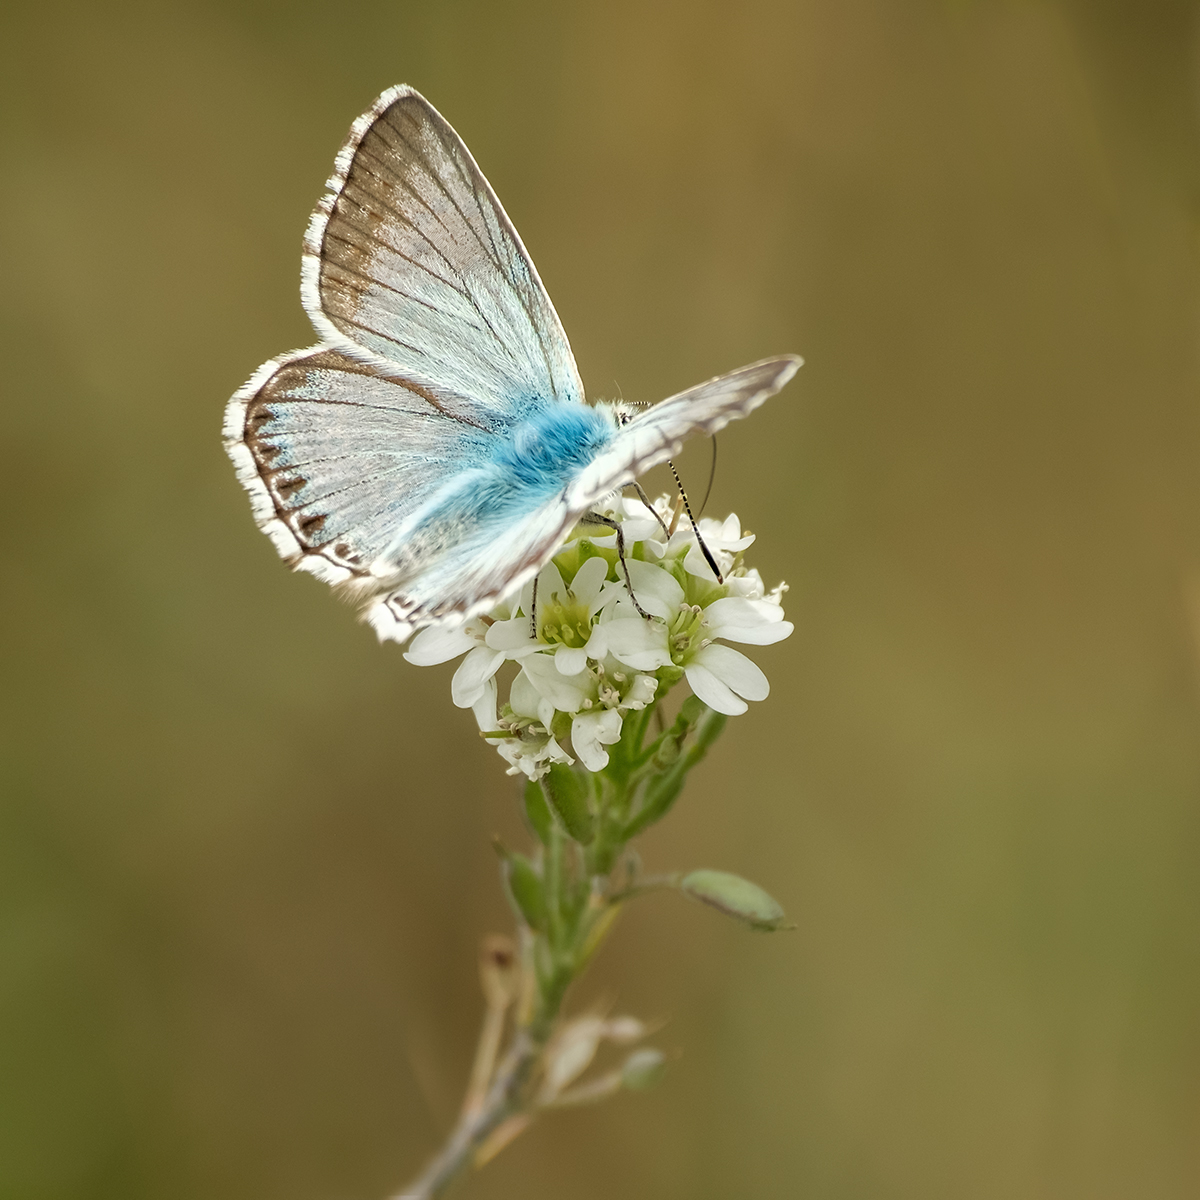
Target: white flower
438 644
586 655
532 755
723 538
591 732
531 746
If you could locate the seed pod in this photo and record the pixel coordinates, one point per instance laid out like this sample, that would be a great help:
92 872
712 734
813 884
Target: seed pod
736 897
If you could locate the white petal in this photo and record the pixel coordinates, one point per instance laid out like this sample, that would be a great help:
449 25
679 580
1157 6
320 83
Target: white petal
512 638
712 691
695 563
437 644
473 672
756 635
642 690
485 707
749 586
570 660
640 528
532 756
590 732
550 584
736 610
638 643
651 582
589 579
523 697
566 693
730 528
734 670
597 646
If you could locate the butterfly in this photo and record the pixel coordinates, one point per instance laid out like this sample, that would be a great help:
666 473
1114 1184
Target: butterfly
429 455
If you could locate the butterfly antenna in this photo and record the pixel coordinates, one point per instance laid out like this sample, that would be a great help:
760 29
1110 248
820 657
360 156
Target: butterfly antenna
712 562
533 610
712 474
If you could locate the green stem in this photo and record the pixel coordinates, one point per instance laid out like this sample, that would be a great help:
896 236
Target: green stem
581 847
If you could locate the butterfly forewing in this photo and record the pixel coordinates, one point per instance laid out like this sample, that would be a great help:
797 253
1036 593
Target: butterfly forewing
411 262
655 435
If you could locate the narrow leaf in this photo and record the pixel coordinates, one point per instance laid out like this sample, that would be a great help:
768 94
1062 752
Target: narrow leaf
525 890
537 812
567 794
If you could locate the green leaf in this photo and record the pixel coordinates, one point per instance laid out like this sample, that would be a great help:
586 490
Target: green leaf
695 718
736 897
567 793
525 890
537 812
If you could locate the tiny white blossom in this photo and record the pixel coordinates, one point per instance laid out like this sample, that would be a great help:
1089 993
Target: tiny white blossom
586 655
438 644
724 540
591 732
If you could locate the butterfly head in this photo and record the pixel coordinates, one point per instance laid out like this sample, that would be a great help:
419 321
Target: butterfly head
623 411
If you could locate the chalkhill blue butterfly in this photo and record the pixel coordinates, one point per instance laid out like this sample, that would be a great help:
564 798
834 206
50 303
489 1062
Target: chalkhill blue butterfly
431 452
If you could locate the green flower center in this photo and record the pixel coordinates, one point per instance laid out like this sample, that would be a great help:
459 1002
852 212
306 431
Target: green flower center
563 622
683 632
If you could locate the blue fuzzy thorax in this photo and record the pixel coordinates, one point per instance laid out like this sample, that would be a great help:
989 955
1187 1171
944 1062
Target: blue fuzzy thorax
547 451
511 476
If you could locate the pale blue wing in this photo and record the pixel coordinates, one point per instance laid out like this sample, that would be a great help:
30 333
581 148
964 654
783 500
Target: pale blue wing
486 566
336 458
360 480
412 264
492 562
657 433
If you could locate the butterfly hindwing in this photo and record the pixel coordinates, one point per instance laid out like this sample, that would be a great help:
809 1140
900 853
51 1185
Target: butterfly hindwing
411 263
336 457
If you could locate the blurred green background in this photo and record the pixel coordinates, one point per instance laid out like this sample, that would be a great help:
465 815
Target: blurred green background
244 851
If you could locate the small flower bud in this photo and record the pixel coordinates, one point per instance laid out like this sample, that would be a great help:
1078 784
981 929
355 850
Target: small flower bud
499 973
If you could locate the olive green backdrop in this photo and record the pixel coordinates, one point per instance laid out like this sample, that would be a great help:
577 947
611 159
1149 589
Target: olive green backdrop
244 851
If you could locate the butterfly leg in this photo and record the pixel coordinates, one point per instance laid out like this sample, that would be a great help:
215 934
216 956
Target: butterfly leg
641 491
592 518
533 610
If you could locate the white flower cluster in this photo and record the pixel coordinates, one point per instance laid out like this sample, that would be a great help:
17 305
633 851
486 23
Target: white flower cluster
593 657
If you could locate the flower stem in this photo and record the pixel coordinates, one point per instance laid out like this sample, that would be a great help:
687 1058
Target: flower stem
582 841
505 1098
